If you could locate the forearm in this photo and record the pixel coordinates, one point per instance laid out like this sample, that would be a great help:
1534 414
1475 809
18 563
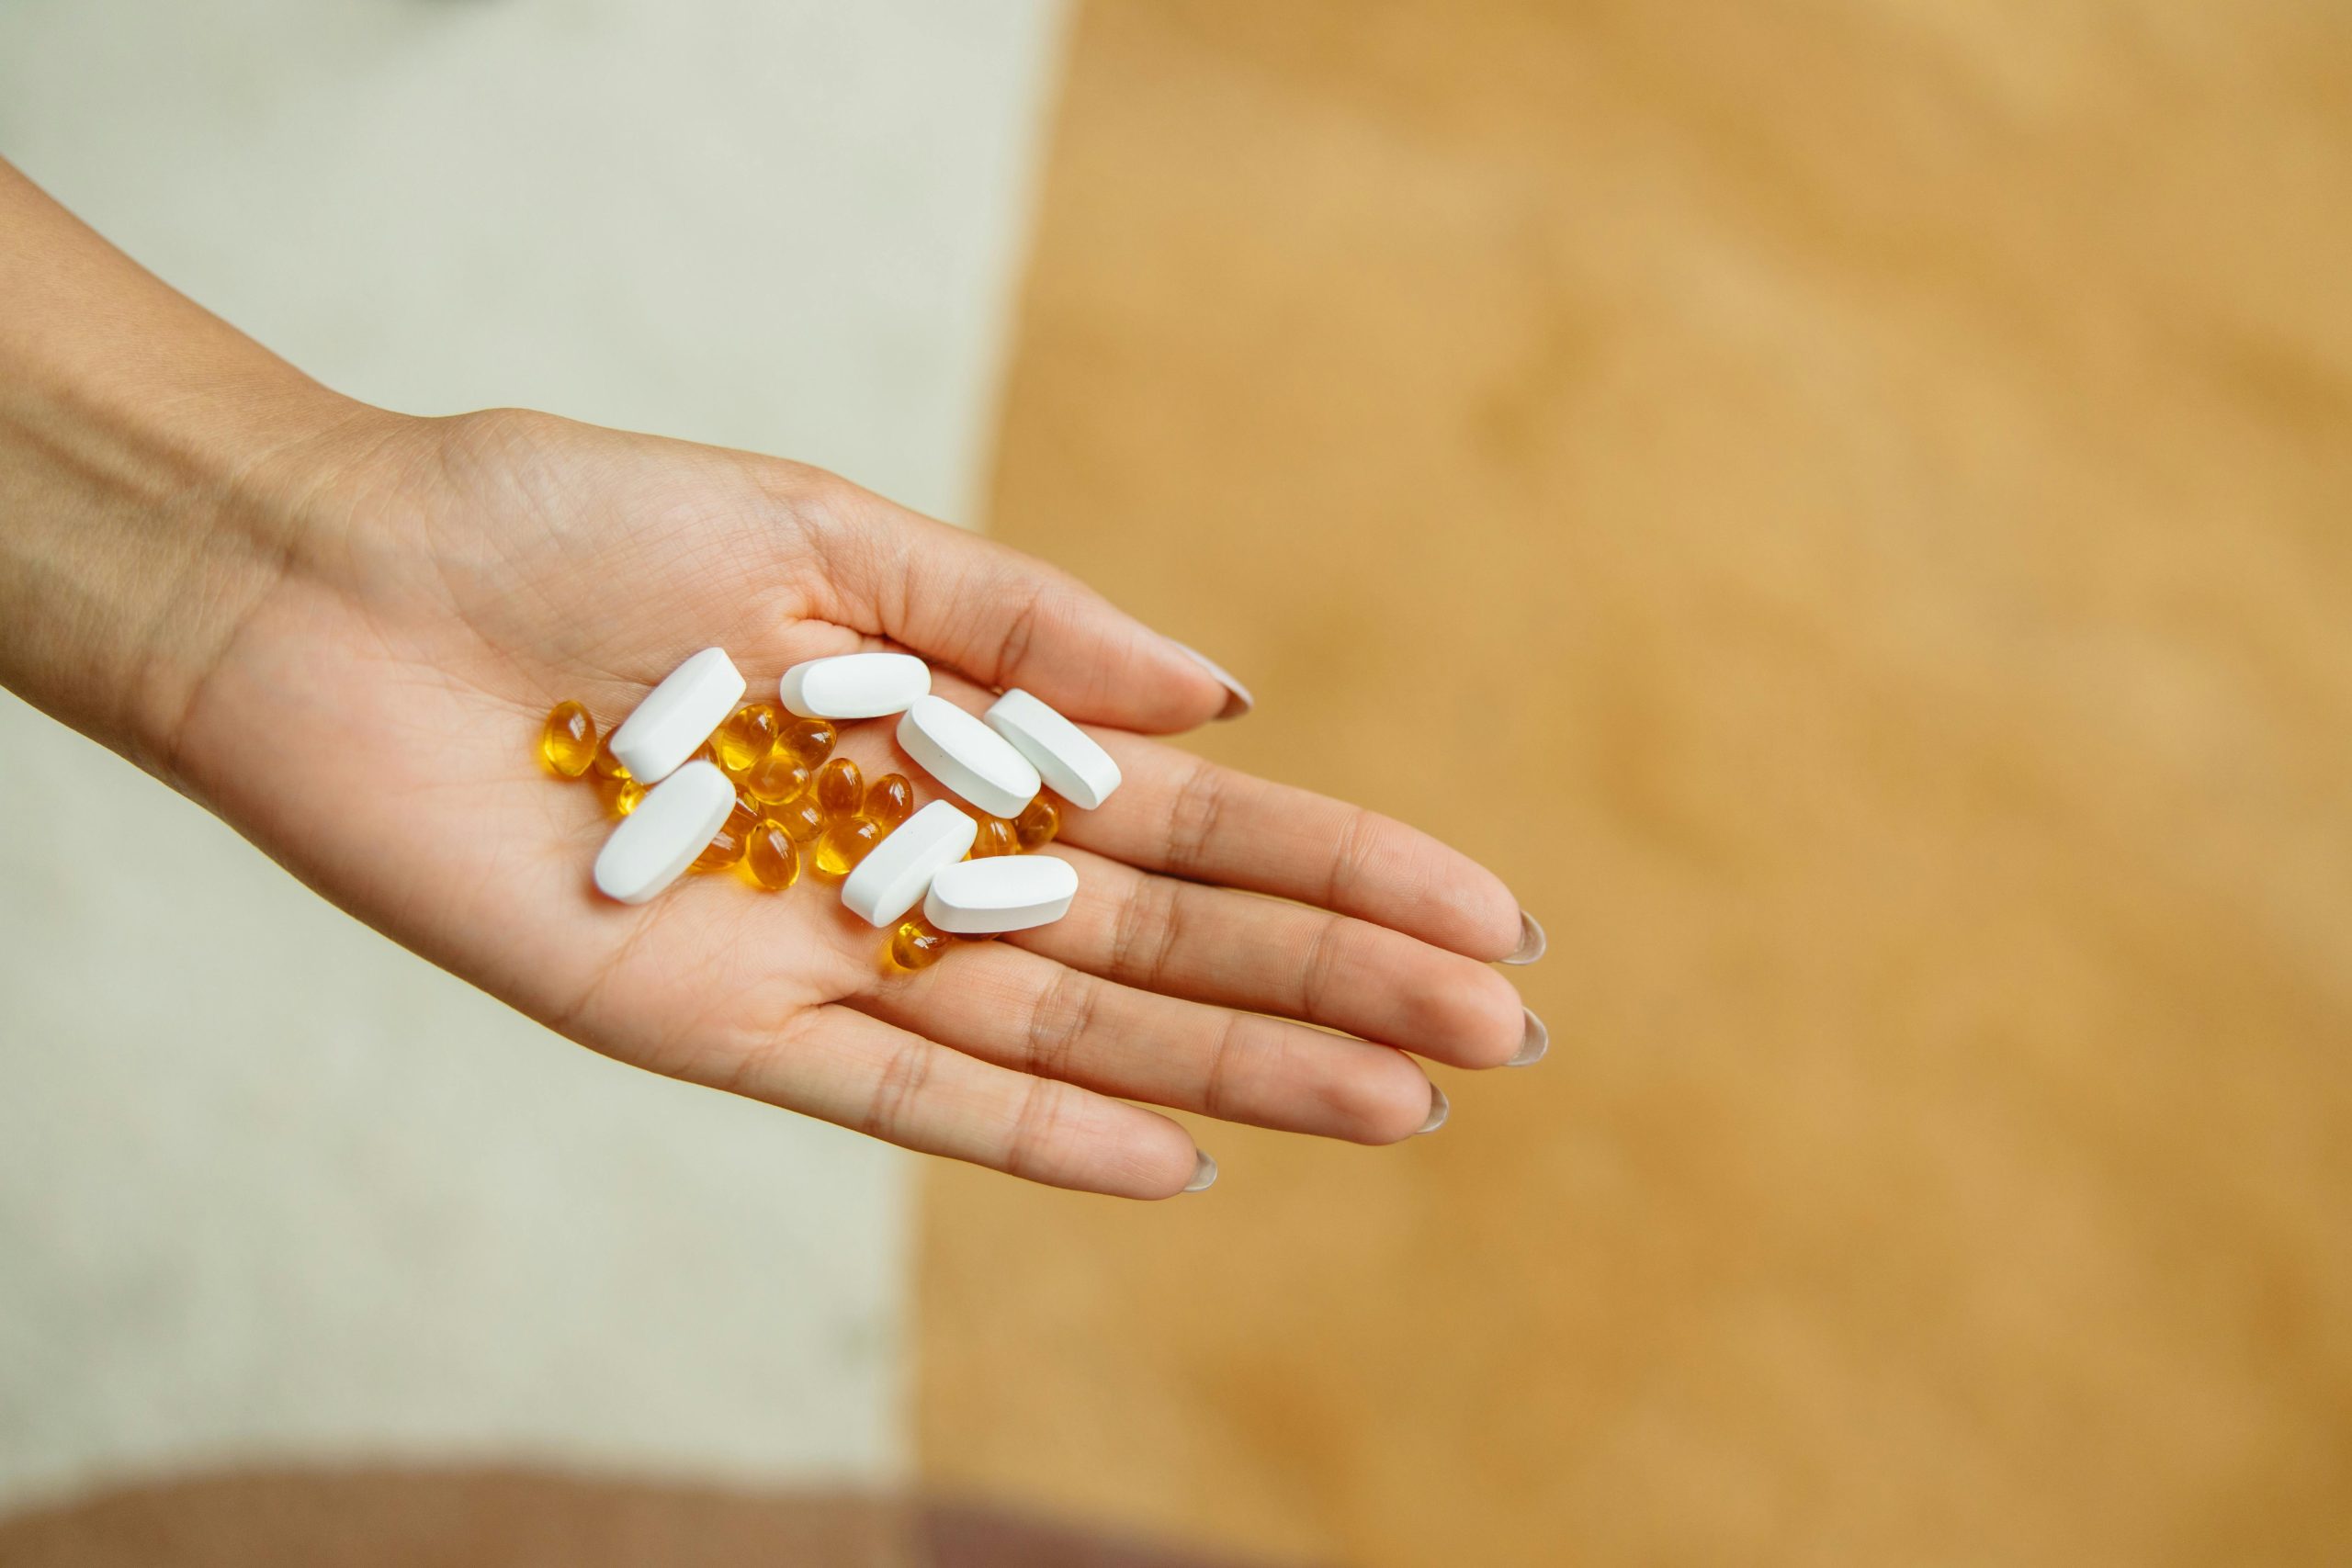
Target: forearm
149 457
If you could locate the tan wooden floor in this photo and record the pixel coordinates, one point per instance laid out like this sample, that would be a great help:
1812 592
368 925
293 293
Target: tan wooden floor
1848 506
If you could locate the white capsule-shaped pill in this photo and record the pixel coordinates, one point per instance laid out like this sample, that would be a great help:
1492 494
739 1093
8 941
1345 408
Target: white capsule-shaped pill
678 715
892 877
967 757
651 847
1064 756
1001 893
854 686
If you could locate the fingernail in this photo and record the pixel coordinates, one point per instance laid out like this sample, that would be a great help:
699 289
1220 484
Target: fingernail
1439 1106
1537 1041
1530 941
1203 1173
1237 700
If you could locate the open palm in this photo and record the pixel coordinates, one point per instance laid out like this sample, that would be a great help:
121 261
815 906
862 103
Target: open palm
371 723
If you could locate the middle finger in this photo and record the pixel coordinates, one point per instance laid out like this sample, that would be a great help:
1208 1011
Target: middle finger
1240 950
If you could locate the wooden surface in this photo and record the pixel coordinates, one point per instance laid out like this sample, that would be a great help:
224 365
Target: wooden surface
1885 470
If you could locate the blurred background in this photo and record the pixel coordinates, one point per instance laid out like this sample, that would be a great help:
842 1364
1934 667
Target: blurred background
1848 506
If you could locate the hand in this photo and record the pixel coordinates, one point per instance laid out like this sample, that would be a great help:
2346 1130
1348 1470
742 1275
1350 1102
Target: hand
372 722
341 629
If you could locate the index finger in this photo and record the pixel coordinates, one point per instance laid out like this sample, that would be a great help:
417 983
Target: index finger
1178 813
1003 619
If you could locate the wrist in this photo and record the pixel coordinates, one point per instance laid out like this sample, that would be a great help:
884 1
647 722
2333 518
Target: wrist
137 537
156 470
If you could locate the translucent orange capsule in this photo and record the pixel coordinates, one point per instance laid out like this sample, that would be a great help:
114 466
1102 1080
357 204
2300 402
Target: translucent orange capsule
726 846
606 765
748 736
772 858
811 740
840 790
995 838
917 944
620 795
801 818
777 777
890 800
569 741
846 842
1037 823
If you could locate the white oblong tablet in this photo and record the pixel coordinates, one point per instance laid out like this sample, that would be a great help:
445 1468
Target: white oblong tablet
967 757
1002 893
1064 756
890 880
655 843
854 686
678 715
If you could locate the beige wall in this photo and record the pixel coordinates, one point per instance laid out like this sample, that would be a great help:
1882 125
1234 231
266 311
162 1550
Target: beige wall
1846 506
270 1189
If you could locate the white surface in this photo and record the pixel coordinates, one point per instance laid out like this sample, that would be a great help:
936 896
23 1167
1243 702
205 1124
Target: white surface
891 878
679 713
1064 756
271 1189
967 757
651 847
854 686
1001 893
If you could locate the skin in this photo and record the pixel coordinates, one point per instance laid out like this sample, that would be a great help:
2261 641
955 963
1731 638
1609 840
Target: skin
340 628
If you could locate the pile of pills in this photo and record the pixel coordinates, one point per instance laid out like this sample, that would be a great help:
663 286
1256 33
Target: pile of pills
704 782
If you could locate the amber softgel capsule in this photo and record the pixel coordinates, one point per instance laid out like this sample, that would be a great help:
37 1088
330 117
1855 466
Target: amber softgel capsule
727 845
811 740
771 857
1037 823
801 819
846 842
996 837
568 742
777 777
749 736
841 788
890 800
917 944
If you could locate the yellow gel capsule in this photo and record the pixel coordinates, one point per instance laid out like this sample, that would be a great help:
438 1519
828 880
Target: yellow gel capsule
840 788
747 736
726 846
773 858
995 838
1037 823
606 765
569 741
811 740
620 795
917 944
890 800
844 843
777 777
800 819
